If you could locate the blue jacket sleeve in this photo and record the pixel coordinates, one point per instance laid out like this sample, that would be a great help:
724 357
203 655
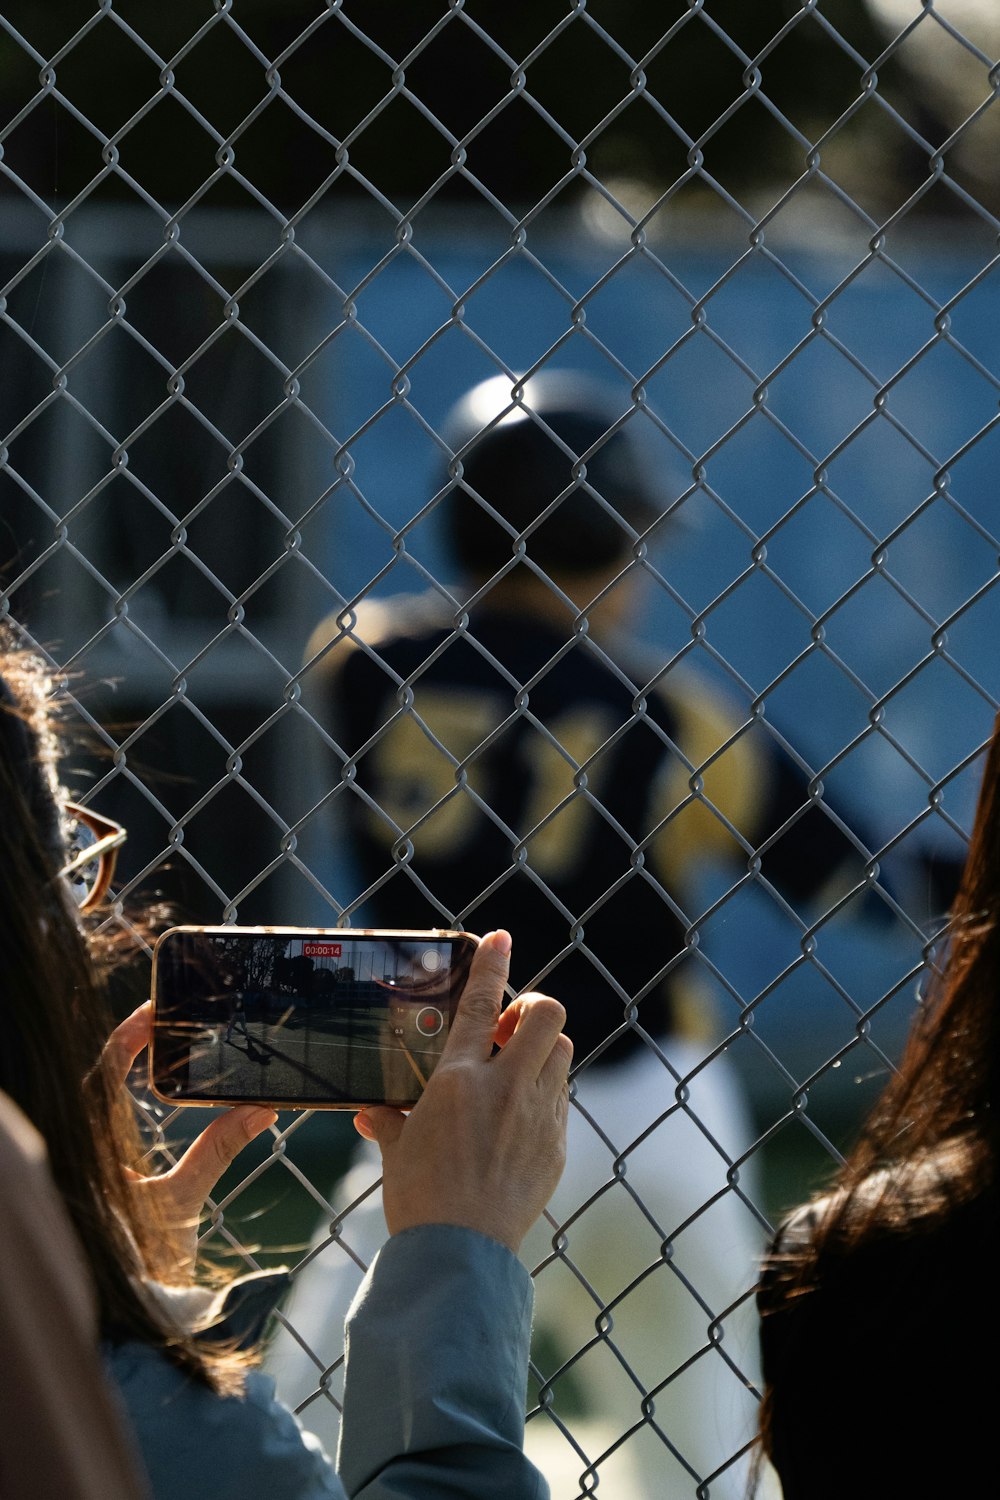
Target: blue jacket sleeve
437 1362
436 1374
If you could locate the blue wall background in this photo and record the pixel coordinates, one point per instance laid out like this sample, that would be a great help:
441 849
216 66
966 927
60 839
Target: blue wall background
875 440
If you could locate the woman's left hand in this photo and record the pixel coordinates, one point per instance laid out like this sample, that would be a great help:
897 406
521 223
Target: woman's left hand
178 1195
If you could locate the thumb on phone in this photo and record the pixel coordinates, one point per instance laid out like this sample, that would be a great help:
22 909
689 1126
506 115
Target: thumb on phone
474 1028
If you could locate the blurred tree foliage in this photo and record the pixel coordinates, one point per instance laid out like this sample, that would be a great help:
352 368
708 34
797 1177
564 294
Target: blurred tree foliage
296 100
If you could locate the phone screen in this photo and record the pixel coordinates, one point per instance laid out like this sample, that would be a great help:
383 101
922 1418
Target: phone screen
302 1019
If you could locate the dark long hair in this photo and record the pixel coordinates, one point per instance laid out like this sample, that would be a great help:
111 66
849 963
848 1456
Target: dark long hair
929 1146
945 1089
56 1018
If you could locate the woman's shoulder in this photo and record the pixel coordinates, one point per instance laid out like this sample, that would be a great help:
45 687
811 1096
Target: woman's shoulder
200 1444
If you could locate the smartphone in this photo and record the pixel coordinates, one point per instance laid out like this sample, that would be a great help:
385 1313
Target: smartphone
302 1018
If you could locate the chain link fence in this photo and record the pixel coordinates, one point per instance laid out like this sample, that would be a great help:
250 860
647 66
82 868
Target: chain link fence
251 254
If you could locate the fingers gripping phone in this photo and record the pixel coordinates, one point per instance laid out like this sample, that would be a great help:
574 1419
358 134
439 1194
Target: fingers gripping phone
317 1018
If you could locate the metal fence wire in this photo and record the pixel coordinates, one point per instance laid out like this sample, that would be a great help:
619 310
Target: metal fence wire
251 254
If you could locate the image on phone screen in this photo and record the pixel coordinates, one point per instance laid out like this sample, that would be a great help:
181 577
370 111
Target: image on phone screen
306 1019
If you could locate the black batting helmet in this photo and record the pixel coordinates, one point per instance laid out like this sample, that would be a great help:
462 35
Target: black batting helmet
556 459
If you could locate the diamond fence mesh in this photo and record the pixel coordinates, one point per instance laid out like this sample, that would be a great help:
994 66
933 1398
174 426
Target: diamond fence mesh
251 255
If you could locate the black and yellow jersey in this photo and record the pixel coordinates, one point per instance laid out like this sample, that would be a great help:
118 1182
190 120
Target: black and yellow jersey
509 772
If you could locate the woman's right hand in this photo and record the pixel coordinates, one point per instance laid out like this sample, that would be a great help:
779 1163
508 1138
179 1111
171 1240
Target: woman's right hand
485 1145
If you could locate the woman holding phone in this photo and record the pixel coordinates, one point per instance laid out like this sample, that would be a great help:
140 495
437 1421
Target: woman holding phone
434 1403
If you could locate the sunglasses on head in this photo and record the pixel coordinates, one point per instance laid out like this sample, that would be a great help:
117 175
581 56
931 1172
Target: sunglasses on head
93 843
